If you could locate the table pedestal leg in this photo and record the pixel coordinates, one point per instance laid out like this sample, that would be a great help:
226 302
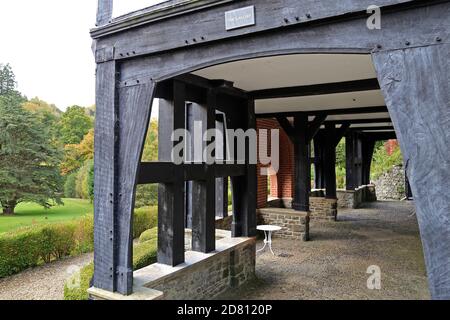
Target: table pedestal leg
267 241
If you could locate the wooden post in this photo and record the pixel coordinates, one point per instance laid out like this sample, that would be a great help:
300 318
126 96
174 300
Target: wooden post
353 156
368 146
319 179
330 160
221 183
244 188
104 12
171 198
204 192
416 87
105 172
302 174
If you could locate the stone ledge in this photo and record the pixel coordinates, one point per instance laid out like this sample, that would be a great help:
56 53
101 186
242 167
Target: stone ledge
157 273
139 293
229 266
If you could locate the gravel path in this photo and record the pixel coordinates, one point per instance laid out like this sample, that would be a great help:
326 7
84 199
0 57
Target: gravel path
334 264
41 283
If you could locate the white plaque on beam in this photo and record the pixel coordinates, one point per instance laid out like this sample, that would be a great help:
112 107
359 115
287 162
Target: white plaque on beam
240 18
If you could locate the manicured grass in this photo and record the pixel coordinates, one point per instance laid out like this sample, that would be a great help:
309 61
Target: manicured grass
28 214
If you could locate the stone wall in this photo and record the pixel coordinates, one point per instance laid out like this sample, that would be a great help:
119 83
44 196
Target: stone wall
294 224
353 199
201 277
319 206
323 208
224 223
391 185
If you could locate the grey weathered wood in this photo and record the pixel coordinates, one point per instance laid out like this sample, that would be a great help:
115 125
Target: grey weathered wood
165 34
244 188
204 191
105 171
330 112
104 12
131 131
416 87
316 89
330 161
349 36
302 170
171 199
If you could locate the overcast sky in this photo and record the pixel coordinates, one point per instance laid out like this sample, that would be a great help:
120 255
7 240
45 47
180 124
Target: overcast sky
48 45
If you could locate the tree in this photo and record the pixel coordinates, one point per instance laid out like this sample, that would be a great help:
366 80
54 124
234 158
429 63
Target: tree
29 161
76 154
74 125
7 80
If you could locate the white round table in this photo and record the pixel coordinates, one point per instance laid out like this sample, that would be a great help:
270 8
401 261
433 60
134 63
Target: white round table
268 230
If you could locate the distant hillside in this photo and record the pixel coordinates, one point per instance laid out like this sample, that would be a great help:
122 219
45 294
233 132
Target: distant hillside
36 104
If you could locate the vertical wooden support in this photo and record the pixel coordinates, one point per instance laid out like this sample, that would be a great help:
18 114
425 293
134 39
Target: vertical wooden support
319 179
104 12
104 179
121 123
204 192
415 84
302 162
368 146
244 188
221 183
330 160
171 197
353 154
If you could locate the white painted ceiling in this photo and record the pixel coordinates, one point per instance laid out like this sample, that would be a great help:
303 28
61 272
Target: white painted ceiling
299 70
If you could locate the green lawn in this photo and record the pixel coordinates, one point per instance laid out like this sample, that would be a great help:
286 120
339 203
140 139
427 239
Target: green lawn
29 213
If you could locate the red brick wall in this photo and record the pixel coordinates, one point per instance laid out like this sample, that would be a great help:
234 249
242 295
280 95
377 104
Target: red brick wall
282 183
390 146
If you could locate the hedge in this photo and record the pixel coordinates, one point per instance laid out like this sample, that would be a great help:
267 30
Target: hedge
29 247
144 218
148 235
144 254
32 246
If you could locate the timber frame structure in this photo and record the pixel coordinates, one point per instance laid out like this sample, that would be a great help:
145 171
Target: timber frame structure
153 53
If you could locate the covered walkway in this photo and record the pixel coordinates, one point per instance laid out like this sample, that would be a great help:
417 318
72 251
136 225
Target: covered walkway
334 265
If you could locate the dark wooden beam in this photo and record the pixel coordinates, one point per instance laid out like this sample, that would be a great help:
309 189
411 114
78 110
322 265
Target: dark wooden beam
302 171
330 112
330 161
164 172
244 188
319 179
316 89
171 199
362 121
341 132
286 125
314 126
204 191
373 128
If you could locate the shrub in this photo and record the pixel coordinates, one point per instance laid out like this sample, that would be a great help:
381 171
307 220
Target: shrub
84 234
82 181
26 248
148 235
144 218
144 254
19 251
146 195
79 292
56 241
70 185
